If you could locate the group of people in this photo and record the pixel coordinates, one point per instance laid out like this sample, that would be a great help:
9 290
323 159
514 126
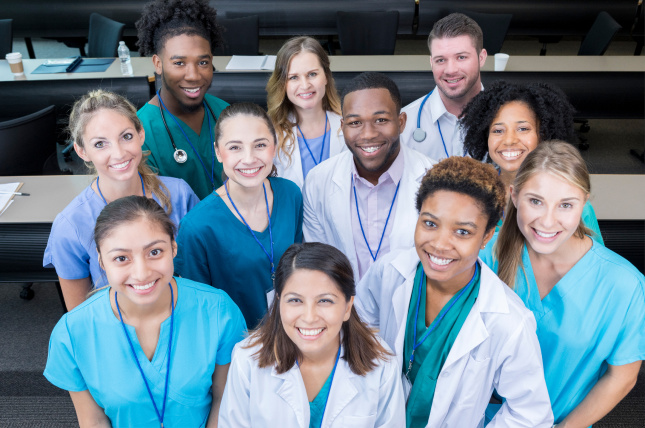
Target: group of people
452 272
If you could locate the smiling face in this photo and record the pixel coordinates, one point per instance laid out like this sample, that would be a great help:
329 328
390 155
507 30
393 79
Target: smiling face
455 67
548 212
112 144
185 64
372 126
137 259
306 81
449 234
312 310
512 135
245 148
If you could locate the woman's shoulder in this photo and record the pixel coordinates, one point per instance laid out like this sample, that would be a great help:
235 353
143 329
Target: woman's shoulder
86 316
80 211
614 267
208 209
202 292
285 186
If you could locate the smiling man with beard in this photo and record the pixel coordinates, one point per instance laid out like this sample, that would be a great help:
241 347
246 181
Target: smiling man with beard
362 200
181 36
456 56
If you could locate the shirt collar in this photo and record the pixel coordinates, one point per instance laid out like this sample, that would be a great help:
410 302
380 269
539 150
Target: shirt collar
394 172
437 109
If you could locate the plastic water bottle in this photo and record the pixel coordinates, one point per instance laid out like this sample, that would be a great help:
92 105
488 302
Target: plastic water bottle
124 57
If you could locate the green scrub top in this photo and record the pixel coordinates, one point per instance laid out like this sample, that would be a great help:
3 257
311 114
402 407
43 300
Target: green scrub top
431 355
317 406
161 150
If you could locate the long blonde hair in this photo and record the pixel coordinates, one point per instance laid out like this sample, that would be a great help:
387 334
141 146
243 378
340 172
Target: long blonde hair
279 106
554 157
91 104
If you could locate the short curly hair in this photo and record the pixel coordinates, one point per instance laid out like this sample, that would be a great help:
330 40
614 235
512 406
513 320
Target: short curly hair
552 109
469 177
164 19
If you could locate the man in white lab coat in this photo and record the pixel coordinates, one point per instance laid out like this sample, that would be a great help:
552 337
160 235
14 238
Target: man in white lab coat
362 200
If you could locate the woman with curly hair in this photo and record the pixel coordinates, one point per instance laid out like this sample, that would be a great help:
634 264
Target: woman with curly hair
181 36
459 332
304 107
504 123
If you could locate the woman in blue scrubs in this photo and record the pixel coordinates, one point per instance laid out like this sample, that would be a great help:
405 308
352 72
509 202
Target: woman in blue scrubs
588 301
235 237
504 123
150 349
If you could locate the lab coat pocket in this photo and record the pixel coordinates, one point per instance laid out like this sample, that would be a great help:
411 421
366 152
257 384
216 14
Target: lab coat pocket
359 421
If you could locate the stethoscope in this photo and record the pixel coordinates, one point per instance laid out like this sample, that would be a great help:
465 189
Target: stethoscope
419 135
180 155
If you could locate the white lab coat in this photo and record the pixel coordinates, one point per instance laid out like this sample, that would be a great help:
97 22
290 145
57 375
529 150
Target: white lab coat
293 170
496 348
327 193
260 397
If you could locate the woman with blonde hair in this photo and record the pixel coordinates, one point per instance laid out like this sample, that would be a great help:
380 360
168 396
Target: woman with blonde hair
588 301
304 107
108 136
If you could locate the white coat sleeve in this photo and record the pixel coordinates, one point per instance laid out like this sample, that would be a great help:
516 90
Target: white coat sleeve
368 295
312 227
235 409
520 380
391 403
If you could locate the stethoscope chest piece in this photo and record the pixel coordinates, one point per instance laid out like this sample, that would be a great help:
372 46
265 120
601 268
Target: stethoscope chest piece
180 156
419 135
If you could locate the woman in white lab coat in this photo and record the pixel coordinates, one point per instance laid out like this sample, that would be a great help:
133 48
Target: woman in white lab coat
304 106
313 362
479 335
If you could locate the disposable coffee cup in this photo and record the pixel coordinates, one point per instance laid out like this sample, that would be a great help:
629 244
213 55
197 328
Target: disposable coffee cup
500 61
15 63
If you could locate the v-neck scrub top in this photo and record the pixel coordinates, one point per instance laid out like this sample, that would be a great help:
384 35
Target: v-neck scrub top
89 351
594 316
161 150
216 248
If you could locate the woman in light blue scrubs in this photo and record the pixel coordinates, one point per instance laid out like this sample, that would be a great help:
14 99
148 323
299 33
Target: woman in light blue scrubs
150 349
588 301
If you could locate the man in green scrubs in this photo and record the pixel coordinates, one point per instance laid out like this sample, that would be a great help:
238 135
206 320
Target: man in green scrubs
179 120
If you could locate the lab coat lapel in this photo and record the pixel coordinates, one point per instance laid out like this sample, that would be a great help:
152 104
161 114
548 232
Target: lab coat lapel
340 207
296 160
405 263
405 215
341 394
292 392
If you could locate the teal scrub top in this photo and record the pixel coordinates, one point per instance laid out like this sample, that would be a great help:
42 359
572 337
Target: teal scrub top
594 316
317 407
88 350
216 248
198 176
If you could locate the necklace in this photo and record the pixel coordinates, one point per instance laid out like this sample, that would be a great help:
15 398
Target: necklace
322 149
269 256
143 188
136 360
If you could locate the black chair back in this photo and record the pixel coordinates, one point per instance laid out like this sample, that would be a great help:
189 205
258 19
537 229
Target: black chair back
104 36
599 36
240 36
27 142
367 33
6 37
494 26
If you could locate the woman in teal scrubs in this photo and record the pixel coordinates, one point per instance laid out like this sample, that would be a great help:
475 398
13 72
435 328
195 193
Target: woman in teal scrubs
504 123
457 330
588 302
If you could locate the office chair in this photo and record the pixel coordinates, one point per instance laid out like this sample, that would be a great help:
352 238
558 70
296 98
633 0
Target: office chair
367 33
240 36
599 36
6 37
27 142
638 29
494 26
104 36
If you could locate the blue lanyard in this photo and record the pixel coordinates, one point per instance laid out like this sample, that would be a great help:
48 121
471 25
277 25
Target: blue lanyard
322 149
374 256
270 257
160 416
143 188
438 124
330 385
436 322
210 131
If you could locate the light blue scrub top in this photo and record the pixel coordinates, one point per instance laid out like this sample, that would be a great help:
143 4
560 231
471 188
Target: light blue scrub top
315 145
89 351
594 316
71 248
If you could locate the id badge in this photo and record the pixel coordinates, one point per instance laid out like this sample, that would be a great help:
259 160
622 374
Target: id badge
270 296
407 387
